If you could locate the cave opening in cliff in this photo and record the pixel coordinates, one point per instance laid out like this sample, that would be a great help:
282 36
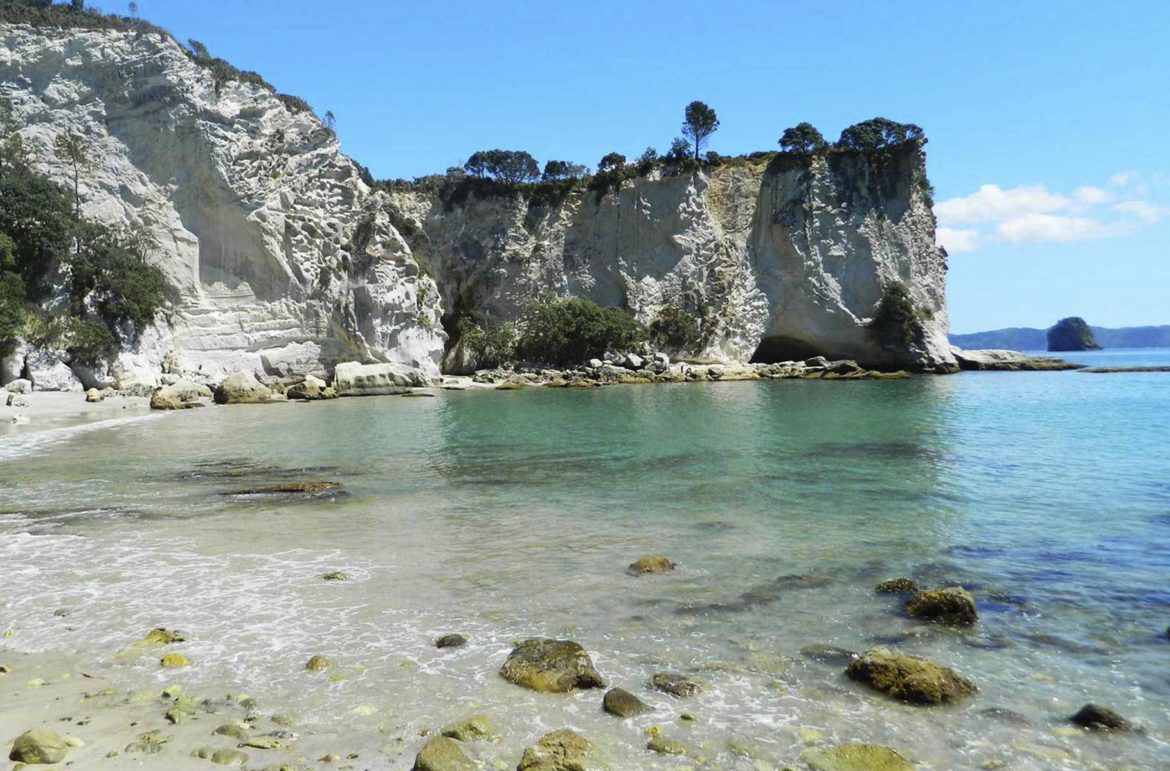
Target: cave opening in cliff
778 348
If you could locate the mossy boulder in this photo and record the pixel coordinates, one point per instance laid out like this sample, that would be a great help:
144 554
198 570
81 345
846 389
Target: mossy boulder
900 585
173 661
651 563
474 727
229 757
453 640
675 684
622 703
953 606
856 757
39 746
550 666
161 636
909 678
664 745
562 750
242 387
1098 718
318 664
443 754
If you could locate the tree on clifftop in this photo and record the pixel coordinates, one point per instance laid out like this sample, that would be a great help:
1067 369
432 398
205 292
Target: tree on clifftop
699 123
803 138
505 165
877 134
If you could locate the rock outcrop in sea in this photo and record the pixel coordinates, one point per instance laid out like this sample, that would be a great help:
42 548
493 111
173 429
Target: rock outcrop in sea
284 262
1071 334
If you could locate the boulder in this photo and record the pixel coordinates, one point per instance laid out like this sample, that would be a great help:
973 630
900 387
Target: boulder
667 746
953 606
242 387
622 703
856 757
474 727
93 395
311 389
899 585
550 666
443 754
651 563
562 750
1098 718
12 365
675 684
39 746
634 361
353 379
453 640
181 395
19 386
49 373
173 661
318 663
909 678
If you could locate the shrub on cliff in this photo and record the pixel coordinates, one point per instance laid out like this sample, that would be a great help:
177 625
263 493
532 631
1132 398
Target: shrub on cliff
571 331
877 134
803 139
675 329
896 324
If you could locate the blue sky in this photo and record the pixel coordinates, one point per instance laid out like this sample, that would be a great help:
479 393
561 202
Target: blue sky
1047 120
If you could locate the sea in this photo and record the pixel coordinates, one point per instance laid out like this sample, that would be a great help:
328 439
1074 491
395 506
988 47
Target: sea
505 515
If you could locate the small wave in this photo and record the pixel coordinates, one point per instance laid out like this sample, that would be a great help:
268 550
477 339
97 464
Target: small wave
22 445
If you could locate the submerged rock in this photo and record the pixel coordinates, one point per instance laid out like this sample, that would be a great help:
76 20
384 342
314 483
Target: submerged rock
828 654
675 684
242 387
651 563
161 636
562 750
900 585
664 745
953 606
229 757
292 488
443 754
173 661
474 727
622 703
909 678
550 666
39 746
1098 718
856 757
318 664
453 640
336 575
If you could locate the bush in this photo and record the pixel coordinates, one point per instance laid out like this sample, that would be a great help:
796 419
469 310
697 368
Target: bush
109 272
11 311
566 332
37 214
896 324
493 343
675 330
90 342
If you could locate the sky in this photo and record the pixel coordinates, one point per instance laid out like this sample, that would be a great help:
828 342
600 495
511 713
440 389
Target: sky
1047 120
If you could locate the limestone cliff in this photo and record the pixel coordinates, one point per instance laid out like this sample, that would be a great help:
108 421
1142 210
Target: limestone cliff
286 262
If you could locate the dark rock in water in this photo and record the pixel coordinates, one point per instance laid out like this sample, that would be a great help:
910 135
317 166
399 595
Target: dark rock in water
828 654
290 488
785 583
1098 718
651 563
856 757
953 606
897 586
622 703
453 640
909 678
1005 716
443 754
675 684
336 575
1071 334
550 666
562 750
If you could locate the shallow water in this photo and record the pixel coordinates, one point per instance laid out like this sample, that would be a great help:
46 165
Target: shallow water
513 514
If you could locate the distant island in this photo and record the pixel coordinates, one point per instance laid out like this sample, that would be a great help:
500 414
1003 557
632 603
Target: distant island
1071 334
1029 339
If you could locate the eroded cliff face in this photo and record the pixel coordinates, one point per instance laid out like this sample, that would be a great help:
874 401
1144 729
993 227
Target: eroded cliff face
283 260
286 263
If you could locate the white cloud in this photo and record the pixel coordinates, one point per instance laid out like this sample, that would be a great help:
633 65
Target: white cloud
1121 178
1091 196
993 204
1144 211
1034 228
957 240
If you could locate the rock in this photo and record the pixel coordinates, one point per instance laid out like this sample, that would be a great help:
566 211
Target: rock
953 606
675 684
443 754
661 359
173 661
242 387
336 575
39 746
1098 718
1071 334
311 389
19 386
181 395
49 373
897 586
856 757
909 678
819 362
471 729
161 636
595 363
229 757
310 489
237 731
318 664
622 703
93 395
550 666
1008 361
651 563
829 654
634 361
666 746
353 379
562 750
453 640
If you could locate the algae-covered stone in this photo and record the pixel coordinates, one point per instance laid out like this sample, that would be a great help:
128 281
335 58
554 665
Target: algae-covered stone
173 660
909 678
161 636
899 585
264 743
229 757
562 750
1098 718
149 743
676 684
336 575
667 746
622 703
453 640
651 563
38 746
828 654
954 606
237 731
318 664
474 727
550 666
443 754
856 757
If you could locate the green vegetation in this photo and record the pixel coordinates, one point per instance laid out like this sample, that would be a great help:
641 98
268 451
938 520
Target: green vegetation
561 170
897 324
493 343
877 134
514 166
73 15
675 330
803 139
574 330
699 123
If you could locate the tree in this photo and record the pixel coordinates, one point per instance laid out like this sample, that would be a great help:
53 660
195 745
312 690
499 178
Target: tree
896 324
646 162
330 119
198 49
804 139
71 148
556 170
133 8
611 161
514 166
878 134
572 331
36 214
699 124
12 156
77 5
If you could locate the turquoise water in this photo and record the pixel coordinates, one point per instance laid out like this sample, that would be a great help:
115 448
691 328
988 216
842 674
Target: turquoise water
513 514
